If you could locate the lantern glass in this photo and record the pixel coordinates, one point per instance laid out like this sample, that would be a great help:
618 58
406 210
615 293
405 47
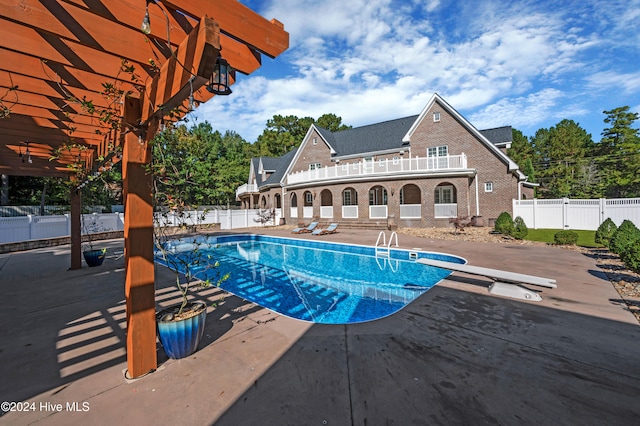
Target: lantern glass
219 82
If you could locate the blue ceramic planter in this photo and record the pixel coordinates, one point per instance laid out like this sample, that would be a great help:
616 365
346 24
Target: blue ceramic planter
181 338
94 257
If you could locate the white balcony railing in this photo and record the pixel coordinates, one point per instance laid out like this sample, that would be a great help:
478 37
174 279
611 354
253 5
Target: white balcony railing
247 188
381 167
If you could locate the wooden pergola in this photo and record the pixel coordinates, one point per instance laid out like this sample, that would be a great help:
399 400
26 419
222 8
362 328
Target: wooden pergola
82 86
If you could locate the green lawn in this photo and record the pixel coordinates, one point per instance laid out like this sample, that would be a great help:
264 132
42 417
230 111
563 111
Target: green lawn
585 238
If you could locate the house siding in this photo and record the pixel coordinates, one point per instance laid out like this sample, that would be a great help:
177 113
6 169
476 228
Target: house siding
484 164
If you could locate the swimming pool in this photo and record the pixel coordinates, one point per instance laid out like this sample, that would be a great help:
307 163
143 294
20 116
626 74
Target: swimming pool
317 281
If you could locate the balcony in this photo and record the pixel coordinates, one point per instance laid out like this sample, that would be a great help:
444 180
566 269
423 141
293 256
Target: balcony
247 188
387 167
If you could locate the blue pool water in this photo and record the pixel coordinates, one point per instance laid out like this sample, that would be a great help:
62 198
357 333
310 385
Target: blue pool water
316 281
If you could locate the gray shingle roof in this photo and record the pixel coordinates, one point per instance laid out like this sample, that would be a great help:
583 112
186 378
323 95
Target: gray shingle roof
372 138
499 135
280 164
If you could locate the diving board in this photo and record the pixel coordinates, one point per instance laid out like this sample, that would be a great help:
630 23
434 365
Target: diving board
505 283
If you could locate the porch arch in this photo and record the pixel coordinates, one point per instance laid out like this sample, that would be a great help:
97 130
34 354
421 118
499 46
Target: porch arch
349 203
326 204
378 200
410 202
445 199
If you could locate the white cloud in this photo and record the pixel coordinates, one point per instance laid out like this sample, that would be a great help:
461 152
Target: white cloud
519 63
521 111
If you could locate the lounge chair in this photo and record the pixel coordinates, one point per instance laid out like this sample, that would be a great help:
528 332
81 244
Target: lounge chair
309 228
331 229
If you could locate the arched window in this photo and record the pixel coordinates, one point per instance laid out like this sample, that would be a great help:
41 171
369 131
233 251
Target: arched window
278 200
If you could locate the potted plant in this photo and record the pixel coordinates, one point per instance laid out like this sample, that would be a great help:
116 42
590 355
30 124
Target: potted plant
93 256
180 327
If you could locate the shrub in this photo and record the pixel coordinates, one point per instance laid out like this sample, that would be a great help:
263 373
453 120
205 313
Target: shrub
605 232
520 229
504 224
632 257
624 237
565 238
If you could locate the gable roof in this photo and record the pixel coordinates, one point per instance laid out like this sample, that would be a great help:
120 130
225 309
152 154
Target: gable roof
280 164
512 166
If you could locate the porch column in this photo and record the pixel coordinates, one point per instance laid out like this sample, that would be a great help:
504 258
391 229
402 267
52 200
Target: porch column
138 243
76 229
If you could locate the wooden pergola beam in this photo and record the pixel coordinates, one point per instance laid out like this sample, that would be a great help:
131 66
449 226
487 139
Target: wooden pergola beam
266 36
185 72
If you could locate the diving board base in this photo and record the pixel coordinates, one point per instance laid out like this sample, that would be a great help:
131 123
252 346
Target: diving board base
513 291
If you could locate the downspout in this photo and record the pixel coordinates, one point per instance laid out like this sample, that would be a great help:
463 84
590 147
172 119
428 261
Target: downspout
520 183
477 196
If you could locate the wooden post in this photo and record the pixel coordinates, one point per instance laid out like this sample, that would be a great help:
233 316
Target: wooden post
138 241
76 229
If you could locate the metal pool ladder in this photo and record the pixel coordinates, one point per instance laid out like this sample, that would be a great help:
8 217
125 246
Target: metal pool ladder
382 248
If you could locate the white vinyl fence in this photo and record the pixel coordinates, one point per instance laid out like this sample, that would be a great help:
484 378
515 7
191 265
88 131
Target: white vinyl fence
24 228
566 213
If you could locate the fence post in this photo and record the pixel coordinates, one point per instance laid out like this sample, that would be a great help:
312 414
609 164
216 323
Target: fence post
603 210
246 218
535 207
30 225
229 220
565 213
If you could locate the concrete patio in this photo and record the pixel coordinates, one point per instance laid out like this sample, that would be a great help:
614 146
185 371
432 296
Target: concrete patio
456 355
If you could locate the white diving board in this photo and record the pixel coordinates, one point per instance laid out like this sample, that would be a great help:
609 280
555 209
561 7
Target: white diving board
505 283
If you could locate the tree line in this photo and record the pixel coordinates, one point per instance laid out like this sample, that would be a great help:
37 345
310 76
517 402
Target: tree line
564 160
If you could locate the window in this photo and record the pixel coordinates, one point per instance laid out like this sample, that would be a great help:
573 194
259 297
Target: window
396 160
314 166
444 195
488 187
349 197
315 141
381 162
309 198
436 117
438 151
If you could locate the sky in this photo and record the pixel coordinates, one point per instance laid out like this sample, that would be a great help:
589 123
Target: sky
527 64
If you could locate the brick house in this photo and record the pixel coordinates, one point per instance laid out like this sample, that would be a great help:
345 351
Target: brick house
416 171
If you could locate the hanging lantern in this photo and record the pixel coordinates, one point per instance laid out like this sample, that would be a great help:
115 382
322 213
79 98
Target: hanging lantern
219 82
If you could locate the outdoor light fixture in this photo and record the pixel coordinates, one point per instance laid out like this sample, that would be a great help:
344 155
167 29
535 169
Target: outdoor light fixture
146 24
26 154
219 82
